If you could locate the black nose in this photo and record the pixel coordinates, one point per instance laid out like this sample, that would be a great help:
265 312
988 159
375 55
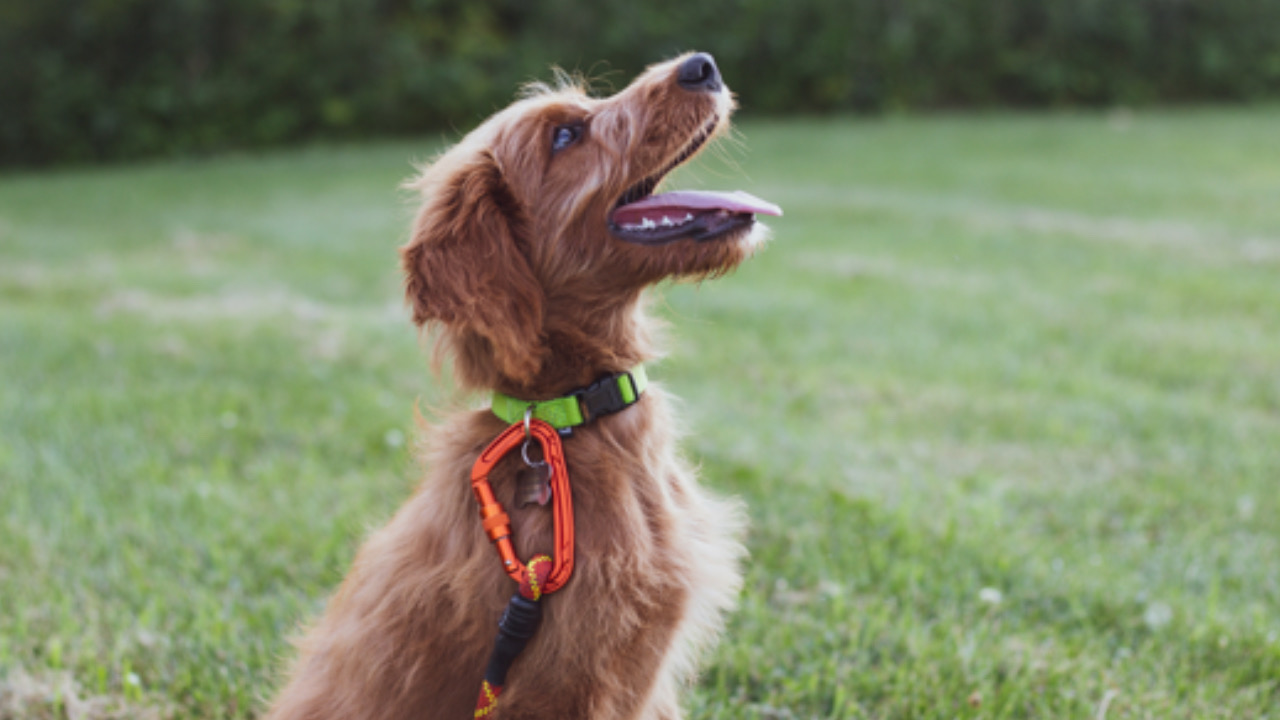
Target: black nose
699 73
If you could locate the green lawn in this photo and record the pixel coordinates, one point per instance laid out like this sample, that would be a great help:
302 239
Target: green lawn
1003 396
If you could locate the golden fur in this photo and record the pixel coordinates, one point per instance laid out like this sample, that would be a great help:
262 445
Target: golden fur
511 259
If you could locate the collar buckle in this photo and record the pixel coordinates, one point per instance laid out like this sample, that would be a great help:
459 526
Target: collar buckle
603 396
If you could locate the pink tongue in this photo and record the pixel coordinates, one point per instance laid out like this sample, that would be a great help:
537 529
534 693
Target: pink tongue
676 205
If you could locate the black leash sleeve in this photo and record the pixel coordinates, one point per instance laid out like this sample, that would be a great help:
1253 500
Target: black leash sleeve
519 622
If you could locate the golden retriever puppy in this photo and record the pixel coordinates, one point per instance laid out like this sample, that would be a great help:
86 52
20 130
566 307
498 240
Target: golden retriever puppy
536 239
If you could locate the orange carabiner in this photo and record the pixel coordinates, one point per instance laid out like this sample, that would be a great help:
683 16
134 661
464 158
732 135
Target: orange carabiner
497 524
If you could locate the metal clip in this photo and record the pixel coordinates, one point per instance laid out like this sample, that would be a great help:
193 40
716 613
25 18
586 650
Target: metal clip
528 437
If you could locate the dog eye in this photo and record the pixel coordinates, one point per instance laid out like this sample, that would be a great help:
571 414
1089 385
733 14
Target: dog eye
564 136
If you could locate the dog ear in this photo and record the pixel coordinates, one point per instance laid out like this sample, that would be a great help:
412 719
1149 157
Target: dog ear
465 269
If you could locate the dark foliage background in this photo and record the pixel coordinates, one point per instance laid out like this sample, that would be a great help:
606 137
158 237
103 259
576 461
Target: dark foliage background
85 80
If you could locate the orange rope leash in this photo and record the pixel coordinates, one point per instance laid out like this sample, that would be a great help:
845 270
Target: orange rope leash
543 574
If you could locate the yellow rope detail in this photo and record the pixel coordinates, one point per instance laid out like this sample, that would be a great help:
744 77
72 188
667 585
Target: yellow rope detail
491 700
533 576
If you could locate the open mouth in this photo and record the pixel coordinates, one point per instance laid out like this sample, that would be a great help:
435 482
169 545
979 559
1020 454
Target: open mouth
647 219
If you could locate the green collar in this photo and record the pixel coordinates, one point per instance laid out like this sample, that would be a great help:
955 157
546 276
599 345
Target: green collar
607 395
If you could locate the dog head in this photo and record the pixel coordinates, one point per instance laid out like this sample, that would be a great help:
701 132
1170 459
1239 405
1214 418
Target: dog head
539 229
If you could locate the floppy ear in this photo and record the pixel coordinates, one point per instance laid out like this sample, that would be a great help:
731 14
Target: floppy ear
464 268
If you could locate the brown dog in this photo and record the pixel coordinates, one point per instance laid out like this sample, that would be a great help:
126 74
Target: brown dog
538 233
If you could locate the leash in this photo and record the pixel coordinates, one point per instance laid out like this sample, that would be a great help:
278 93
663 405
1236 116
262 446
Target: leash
546 422
543 574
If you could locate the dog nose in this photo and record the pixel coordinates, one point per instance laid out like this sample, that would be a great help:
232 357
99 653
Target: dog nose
699 73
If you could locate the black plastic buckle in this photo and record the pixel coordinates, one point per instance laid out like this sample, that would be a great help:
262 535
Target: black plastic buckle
603 396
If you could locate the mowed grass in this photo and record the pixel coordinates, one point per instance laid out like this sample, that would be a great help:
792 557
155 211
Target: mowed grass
1002 397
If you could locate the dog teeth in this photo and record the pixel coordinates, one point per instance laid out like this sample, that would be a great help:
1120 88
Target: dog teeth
644 224
668 222
665 222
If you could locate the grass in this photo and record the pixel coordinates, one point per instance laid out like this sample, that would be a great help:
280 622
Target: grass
1003 397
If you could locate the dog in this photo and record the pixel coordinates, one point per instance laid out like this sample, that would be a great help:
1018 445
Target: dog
536 238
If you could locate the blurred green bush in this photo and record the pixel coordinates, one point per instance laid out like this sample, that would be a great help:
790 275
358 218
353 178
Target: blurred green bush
84 80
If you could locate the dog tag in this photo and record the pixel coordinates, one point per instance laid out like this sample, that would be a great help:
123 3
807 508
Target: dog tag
533 485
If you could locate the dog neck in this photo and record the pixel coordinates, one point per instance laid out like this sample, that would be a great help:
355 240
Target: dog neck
579 344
